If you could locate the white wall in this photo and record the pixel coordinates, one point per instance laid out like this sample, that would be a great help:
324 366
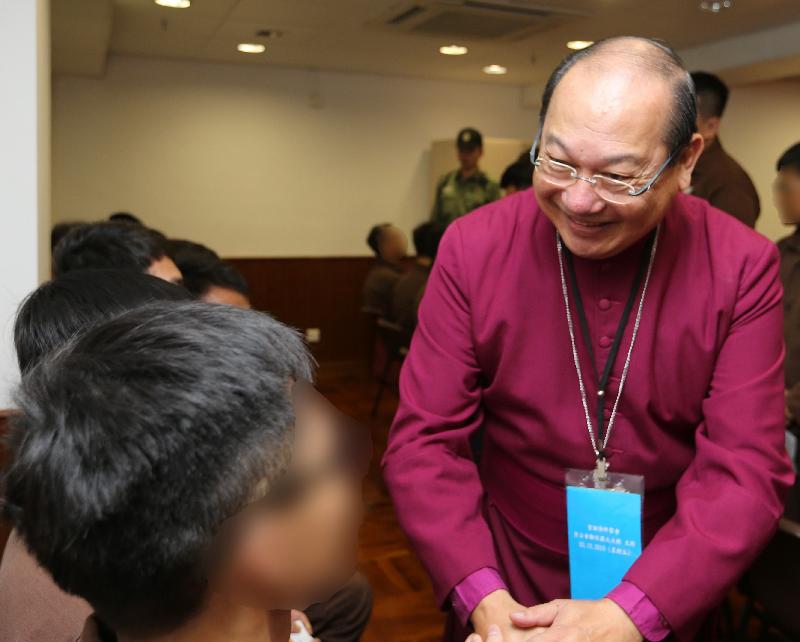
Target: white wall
760 123
257 161
24 166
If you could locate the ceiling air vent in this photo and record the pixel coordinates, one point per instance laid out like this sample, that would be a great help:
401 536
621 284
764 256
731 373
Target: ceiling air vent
473 19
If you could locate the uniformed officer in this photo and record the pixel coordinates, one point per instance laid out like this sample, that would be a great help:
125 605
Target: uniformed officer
466 188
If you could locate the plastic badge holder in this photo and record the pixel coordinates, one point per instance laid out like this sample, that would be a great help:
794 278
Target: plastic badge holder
604 521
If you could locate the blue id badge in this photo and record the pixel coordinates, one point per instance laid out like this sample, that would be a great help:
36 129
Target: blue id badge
604 518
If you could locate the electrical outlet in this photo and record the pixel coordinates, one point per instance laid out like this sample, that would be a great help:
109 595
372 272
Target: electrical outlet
313 335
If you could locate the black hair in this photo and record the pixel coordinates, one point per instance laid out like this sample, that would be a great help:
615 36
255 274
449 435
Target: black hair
427 237
202 268
519 174
108 245
374 237
662 60
712 94
226 275
125 217
790 159
59 231
137 440
62 308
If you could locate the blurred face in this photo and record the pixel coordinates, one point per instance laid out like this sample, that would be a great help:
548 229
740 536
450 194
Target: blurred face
293 555
468 158
226 296
165 268
394 244
609 121
787 195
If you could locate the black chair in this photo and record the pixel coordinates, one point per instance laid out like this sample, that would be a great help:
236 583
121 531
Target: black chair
395 341
772 589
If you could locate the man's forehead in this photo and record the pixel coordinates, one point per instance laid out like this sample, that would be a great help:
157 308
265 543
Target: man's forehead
572 149
616 111
790 172
604 89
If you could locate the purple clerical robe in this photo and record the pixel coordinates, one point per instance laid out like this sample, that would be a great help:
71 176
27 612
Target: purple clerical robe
701 416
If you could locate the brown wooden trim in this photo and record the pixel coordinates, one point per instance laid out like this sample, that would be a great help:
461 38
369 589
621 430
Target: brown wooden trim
319 292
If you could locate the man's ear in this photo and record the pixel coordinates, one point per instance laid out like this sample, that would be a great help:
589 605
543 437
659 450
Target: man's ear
687 161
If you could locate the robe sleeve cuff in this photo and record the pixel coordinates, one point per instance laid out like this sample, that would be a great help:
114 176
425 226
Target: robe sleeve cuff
469 592
644 614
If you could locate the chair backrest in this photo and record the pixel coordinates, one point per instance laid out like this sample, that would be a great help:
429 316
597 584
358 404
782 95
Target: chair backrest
394 336
773 582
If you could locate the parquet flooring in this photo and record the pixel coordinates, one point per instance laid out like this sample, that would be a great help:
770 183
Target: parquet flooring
405 609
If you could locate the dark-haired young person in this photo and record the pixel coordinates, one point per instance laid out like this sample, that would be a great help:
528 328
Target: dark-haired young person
717 177
234 493
125 217
389 244
344 617
787 200
33 608
518 176
207 276
410 286
60 230
111 245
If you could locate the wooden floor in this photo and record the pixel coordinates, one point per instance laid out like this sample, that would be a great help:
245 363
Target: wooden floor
405 609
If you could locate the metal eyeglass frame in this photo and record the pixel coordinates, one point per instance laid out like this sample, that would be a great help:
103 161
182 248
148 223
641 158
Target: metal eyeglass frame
536 161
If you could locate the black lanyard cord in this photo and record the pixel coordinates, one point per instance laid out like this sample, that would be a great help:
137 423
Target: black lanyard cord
602 381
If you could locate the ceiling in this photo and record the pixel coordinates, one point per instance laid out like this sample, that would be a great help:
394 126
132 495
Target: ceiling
352 35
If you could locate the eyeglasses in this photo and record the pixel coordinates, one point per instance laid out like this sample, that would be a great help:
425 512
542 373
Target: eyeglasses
612 190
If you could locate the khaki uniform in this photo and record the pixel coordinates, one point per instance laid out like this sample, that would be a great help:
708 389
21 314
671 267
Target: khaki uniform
456 196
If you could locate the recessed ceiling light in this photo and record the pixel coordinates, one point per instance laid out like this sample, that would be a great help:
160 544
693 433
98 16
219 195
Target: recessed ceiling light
495 70
251 47
579 44
453 50
715 7
174 4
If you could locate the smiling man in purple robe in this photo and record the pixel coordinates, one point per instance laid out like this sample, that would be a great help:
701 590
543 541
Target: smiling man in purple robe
602 320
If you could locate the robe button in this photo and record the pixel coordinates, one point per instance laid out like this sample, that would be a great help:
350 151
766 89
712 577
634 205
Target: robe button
604 304
605 341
